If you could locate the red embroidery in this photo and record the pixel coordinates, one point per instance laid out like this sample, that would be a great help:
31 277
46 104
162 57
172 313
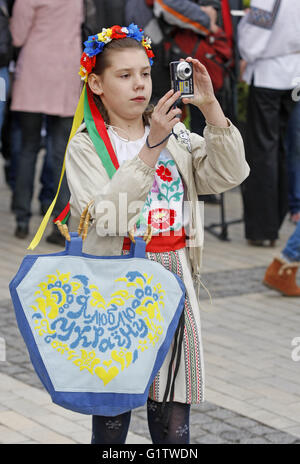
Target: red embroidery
161 218
164 173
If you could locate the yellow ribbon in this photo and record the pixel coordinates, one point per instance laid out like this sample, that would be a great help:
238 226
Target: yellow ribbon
78 118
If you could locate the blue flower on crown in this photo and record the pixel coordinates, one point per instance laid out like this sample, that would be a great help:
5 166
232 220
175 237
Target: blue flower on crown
93 46
135 32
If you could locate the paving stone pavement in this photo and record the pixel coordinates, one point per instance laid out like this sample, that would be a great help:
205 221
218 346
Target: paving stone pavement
252 383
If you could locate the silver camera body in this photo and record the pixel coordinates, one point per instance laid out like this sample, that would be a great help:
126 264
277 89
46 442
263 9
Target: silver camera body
181 73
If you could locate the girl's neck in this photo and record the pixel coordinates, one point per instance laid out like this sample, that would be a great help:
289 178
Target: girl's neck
134 129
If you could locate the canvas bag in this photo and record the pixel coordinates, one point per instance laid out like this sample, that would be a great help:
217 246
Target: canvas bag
97 328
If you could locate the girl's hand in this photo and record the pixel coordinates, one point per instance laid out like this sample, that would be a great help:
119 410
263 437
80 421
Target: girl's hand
163 118
203 88
204 96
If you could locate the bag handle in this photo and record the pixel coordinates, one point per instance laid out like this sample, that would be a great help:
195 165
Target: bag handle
74 240
74 245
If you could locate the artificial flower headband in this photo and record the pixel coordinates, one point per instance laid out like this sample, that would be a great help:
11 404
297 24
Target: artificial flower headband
96 43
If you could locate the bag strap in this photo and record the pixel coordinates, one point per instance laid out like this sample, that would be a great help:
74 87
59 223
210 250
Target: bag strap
74 245
138 245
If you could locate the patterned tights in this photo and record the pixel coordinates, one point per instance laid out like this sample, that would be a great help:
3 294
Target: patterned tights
113 430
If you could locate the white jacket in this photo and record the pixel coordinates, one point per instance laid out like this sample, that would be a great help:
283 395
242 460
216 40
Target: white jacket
212 164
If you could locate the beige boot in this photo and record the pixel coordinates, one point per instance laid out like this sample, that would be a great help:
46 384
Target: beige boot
281 276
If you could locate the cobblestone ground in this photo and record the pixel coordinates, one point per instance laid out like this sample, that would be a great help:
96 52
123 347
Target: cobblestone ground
210 423
252 384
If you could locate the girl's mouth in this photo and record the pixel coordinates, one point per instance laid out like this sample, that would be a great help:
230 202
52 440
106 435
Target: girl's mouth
138 99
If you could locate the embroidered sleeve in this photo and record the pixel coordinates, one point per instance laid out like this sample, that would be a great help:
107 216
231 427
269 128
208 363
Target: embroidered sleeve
262 17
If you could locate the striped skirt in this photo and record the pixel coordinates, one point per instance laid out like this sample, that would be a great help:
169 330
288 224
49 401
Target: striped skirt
189 383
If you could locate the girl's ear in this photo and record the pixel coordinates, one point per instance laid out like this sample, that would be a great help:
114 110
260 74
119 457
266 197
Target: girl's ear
95 84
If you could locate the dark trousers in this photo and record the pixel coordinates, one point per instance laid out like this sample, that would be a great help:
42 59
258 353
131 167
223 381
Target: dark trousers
59 130
265 191
293 158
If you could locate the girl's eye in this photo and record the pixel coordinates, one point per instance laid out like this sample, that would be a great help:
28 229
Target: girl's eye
124 76
146 74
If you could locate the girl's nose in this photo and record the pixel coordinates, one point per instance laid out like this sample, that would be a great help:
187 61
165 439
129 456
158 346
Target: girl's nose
138 83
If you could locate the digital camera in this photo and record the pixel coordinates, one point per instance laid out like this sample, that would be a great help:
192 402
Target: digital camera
182 78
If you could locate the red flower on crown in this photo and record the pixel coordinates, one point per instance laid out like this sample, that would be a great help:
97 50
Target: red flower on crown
150 53
88 62
117 33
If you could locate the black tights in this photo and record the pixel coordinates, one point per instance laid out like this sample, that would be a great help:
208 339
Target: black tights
113 430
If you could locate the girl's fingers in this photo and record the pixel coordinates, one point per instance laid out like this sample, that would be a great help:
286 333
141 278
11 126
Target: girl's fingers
170 102
197 64
174 113
165 98
187 101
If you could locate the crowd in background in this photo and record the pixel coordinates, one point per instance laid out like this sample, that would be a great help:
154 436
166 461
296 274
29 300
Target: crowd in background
40 50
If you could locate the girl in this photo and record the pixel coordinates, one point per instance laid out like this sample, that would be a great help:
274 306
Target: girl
157 162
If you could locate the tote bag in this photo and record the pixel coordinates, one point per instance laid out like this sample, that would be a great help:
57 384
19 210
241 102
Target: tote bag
97 328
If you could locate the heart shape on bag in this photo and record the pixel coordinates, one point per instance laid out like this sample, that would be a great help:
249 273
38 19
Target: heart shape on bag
101 337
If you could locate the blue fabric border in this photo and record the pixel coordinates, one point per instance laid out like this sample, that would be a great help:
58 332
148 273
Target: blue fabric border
107 404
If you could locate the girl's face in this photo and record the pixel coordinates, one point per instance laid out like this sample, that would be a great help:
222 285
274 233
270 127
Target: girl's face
125 87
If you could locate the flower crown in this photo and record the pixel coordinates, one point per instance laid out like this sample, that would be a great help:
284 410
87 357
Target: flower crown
96 43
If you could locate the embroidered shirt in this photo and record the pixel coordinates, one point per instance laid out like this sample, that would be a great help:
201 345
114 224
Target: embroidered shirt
163 208
273 57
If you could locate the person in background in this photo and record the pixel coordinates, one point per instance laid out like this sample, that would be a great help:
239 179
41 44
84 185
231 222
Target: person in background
5 56
47 31
269 42
99 13
200 16
293 160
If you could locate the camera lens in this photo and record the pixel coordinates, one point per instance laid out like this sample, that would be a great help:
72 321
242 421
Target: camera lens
184 70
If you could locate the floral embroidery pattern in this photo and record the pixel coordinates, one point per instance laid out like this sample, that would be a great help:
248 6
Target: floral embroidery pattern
100 336
163 206
164 173
161 218
152 406
113 425
180 431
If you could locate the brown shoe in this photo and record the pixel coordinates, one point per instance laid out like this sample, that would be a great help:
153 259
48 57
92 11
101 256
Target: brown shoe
281 276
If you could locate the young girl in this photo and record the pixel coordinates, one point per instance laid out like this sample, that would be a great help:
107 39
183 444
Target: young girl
159 171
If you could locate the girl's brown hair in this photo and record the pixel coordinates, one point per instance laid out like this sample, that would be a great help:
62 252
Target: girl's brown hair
102 62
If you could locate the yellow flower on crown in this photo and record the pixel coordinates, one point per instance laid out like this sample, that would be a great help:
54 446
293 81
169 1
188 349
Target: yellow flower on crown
105 35
146 42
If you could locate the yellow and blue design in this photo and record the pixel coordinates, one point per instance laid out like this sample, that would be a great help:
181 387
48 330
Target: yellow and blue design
101 338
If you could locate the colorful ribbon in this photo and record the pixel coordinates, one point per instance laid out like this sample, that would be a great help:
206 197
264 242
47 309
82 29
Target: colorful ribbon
87 110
